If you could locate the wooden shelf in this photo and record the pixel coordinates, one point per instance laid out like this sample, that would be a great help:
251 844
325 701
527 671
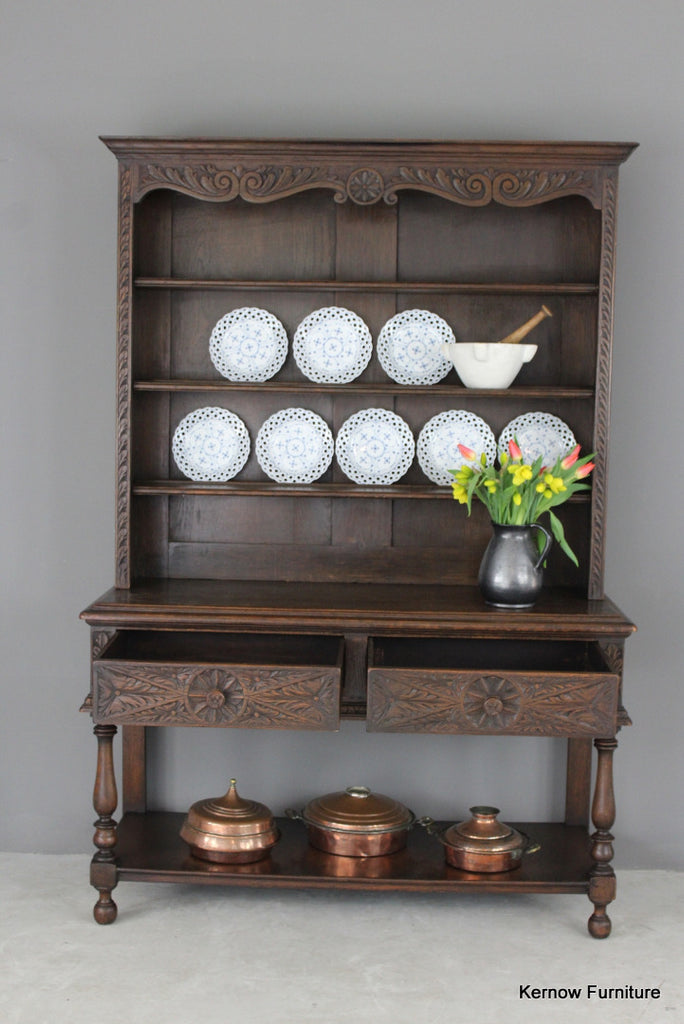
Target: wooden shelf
150 849
334 607
265 488
249 488
411 287
453 391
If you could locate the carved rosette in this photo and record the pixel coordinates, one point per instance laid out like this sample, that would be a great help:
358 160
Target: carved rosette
215 696
365 186
492 701
368 185
464 702
248 696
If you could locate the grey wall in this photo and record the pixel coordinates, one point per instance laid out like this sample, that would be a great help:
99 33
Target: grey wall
590 69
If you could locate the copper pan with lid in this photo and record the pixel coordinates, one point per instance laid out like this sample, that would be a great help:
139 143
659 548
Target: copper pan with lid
356 823
230 829
483 843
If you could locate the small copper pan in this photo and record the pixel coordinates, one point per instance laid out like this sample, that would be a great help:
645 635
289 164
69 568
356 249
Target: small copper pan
483 843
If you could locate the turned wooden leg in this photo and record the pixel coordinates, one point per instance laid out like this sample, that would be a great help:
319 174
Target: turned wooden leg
602 881
103 867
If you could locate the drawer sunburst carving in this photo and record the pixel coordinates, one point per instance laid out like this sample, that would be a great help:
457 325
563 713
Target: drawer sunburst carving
244 696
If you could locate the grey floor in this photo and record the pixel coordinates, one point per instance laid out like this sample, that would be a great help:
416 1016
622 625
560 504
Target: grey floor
179 954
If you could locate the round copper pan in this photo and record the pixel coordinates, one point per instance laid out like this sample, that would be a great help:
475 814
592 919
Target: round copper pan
356 823
483 844
229 830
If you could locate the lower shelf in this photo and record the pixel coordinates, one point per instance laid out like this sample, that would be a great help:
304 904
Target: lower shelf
150 849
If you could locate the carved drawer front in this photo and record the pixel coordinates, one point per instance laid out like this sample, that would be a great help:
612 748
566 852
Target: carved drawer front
490 687
210 679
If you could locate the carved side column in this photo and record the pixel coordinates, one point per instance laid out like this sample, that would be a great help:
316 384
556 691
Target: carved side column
103 866
602 881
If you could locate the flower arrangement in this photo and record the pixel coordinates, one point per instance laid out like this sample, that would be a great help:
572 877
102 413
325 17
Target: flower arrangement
517 493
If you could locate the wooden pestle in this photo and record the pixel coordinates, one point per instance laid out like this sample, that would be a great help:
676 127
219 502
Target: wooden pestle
521 332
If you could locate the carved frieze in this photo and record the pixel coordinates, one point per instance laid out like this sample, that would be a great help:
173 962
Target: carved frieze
476 187
470 186
204 180
401 700
216 695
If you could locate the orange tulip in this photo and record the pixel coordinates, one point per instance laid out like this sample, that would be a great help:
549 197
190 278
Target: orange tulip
514 450
571 458
584 470
467 453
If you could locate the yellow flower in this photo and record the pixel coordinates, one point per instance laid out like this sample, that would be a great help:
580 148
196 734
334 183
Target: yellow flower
554 483
520 474
517 499
460 493
491 485
540 488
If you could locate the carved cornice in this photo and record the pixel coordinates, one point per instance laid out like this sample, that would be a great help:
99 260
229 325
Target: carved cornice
203 180
467 702
245 697
479 187
256 185
470 186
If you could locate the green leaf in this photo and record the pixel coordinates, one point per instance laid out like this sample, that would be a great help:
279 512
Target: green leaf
559 534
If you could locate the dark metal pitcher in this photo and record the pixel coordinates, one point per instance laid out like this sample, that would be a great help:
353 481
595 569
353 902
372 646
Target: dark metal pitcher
511 572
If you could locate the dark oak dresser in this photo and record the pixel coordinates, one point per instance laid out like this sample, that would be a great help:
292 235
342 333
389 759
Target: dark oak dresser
256 604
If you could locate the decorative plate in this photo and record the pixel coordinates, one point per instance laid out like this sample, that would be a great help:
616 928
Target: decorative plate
439 439
332 345
538 433
294 446
210 444
249 344
410 347
374 446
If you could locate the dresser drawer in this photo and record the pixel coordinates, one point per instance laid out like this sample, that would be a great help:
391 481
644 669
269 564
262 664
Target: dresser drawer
518 688
218 679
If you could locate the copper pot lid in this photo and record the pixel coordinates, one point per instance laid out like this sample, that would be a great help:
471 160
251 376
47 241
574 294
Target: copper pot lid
484 833
230 815
357 809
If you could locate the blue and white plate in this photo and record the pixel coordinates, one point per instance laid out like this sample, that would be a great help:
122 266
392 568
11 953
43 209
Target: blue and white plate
332 345
538 434
439 439
374 446
294 446
210 444
249 344
410 347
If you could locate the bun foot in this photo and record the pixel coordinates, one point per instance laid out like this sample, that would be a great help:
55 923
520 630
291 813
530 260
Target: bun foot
105 909
599 924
